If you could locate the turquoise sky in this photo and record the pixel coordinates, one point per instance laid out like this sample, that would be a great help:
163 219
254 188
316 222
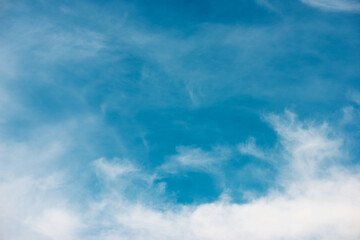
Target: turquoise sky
217 120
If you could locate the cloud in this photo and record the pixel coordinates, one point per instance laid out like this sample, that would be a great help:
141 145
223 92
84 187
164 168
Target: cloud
318 209
250 148
324 209
36 184
353 96
171 69
315 197
85 56
308 148
111 170
335 5
35 208
56 224
48 43
189 158
144 222
267 4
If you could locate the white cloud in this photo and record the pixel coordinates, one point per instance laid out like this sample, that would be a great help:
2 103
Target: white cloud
47 43
34 190
26 205
113 169
146 223
318 210
267 4
309 148
250 148
124 176
335 5
189 158
353 96
57 224
322 201
317 198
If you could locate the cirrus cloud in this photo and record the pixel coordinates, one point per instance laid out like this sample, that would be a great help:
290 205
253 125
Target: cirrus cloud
335 5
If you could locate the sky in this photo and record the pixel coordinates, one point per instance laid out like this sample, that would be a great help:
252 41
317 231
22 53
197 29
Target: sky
169 120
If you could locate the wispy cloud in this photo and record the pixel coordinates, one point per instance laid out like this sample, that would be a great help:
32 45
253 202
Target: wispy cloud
354 96
309 148
250 148
335 5
189 158
113 169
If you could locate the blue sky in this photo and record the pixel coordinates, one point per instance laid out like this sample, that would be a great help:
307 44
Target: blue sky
179 119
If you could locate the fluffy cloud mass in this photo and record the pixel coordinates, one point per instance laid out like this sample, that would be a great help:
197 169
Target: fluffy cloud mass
315 197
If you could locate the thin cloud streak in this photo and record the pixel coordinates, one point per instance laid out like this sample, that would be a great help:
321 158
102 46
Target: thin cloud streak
335 5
